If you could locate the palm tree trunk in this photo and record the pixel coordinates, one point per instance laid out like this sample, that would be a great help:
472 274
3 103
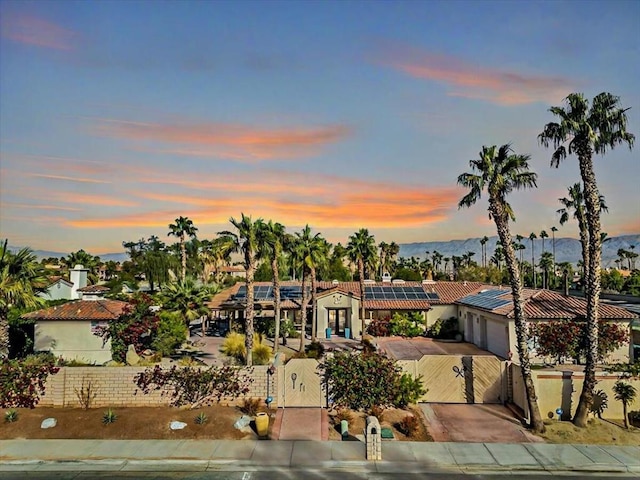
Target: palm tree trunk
502 225
276 298
361 274
305 303
4 334
183 255
626 416
248 321
592 204
314 324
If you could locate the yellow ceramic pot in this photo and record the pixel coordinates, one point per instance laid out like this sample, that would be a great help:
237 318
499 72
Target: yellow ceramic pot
262 424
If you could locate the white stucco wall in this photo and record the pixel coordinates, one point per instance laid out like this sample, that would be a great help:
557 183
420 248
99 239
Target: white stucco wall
338 300
58 291
71 339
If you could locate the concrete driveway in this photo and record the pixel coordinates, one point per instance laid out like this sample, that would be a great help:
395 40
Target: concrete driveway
415 348
486 423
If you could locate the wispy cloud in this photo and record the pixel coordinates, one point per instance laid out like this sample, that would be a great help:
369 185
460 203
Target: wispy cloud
468 80
40 207
37 32
222 140
67 178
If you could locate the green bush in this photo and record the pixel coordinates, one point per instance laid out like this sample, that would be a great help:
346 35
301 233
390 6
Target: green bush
261 353
408 390
233 346
444 328
314 350
172 332
411 325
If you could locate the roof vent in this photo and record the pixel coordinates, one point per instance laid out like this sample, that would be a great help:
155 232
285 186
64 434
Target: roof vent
398 281
369 281
335 282
429 280
386 278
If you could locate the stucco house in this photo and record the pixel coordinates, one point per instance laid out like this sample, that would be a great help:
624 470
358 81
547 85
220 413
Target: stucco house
487 319
68 330
62 289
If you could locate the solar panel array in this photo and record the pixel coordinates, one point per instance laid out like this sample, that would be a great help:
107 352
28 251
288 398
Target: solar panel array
397 292
263 293
487 300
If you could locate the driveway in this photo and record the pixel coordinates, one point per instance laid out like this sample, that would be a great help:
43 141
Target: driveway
486 423
415 348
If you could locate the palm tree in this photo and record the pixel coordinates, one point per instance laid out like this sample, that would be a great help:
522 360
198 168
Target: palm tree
188 299
446 264
588 130
384 249
361 250
182 228
625 393
21 279
554 229
545 264
270 246
483 248
499 172
246 242
543 235
532 237
436 260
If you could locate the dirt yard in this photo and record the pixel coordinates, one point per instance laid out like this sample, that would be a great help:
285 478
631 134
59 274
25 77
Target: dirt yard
598 432
131 424
391 418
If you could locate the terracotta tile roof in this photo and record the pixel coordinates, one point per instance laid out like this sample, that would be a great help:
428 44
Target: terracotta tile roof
421 305
337 289
232 269
223 296
450 292
81 310
94 289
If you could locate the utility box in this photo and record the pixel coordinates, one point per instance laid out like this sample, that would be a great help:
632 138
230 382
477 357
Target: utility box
373 439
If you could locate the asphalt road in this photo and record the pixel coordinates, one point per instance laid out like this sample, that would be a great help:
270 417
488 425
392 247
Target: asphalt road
286 474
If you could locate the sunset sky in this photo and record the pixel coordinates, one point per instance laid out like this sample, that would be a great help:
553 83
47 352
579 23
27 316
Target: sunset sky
116 117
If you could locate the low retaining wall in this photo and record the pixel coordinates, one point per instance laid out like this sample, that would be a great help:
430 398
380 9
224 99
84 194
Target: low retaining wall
561 389
115 387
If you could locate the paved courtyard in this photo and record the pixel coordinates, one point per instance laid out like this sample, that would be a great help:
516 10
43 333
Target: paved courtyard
415 348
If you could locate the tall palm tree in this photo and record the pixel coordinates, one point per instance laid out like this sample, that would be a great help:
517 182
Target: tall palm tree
246 242
483 248
554 229
361 250
588 129
181 229
500 172
543 235
21 279
384 250
270 245
436 260
532 237
187 298
545 264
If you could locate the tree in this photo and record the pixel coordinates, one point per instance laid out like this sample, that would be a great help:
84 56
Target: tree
532 237
554 229
246 242
588 129
543 235
483 243
21 279
88 261
181 229
270 246
362 251
546 264
188 299
500 172
625 393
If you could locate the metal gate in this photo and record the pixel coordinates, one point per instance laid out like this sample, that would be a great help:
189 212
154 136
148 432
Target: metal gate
459 378
301 384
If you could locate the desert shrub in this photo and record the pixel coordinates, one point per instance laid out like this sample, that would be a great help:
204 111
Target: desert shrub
344 414
404 325
250 406
408 425
634 418
86 394
22 382
360 381
109 417
233 346
194 386
11 415
408 390
377 412
201 418
172 332
314 350
443 328
261 354
378 328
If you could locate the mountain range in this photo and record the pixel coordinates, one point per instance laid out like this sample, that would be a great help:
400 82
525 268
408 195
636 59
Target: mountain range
567 249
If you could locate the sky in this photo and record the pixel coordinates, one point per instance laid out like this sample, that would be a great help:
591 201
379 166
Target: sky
116 117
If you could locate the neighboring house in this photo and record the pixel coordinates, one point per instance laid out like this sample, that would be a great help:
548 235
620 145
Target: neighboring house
232 270
487 319
69 330
63 289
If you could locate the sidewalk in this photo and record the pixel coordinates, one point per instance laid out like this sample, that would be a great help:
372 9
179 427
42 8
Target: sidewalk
224 455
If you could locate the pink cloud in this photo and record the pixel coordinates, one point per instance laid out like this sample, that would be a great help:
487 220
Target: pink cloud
222 140
37 32
473 81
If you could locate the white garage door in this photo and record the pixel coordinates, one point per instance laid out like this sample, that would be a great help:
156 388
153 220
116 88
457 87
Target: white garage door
498 338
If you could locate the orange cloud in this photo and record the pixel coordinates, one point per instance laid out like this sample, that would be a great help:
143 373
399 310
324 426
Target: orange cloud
229 141
473 81
37 32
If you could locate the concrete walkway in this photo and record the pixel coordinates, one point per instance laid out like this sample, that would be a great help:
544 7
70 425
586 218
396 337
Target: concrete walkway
225 455
301 424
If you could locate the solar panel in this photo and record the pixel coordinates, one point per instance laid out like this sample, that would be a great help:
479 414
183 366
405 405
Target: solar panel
487 300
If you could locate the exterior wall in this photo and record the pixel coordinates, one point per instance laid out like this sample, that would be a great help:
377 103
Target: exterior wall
71 340
115 387
498 338
57 291
561 389
338 300
444 312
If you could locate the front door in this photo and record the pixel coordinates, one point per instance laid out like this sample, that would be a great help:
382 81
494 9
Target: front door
338 320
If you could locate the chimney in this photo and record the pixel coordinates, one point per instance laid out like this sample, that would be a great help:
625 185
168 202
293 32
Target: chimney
78 276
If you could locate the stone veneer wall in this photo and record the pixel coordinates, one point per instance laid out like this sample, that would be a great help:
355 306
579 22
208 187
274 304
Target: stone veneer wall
116 388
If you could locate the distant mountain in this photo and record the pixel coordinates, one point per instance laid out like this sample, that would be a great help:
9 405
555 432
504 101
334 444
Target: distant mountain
116 257
567 249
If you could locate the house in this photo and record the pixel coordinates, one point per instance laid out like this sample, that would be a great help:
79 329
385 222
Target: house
63 289
69 330
487 319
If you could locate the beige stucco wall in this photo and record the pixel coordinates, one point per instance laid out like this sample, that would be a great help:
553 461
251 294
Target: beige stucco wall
338 300
443 312
71 340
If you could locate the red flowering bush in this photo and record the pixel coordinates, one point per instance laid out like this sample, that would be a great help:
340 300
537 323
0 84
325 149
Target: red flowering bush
378 328
195 386
22 382
137 326
568 338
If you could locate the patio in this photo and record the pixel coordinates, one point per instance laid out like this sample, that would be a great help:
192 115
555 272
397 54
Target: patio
415 348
